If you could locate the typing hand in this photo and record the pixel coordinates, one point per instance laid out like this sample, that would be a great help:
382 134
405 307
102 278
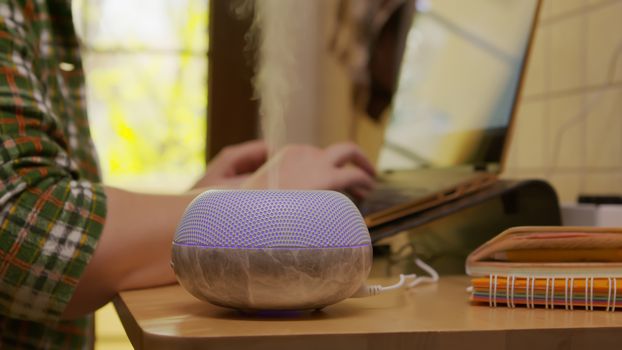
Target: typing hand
341 167
234 164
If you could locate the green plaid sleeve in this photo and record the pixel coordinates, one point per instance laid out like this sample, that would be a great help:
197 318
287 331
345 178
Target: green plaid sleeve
50 215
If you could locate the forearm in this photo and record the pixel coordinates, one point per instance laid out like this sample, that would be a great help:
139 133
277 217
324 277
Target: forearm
134 249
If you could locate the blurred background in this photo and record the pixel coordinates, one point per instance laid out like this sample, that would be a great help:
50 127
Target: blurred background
570 117
146 71
170 83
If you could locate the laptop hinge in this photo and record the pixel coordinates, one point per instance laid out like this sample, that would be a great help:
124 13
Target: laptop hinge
480 167
487 167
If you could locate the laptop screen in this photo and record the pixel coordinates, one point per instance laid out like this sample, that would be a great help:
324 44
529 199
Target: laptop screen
458 83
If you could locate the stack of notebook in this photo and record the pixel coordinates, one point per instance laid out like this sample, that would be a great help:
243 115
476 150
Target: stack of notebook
567 267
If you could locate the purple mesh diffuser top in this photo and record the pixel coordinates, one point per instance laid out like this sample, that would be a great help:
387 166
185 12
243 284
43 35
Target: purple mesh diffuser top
272 219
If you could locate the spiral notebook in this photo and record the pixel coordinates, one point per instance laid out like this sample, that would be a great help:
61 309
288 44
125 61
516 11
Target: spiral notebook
549 267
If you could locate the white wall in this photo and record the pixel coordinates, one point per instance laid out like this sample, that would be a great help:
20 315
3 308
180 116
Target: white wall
569 126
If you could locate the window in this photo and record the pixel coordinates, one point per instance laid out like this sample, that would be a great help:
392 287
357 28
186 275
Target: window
146 70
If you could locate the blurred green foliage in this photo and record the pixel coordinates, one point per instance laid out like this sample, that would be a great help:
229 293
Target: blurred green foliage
146 71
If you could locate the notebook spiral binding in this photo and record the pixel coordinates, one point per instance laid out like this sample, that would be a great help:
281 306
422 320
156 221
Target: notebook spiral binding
549 295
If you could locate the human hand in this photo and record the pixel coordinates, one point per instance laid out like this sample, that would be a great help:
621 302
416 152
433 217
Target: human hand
234 164
341 167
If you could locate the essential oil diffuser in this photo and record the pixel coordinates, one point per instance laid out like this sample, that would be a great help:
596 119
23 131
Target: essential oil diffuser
272 250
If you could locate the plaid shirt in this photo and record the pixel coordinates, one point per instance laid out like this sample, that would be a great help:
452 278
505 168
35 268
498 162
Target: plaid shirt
52 205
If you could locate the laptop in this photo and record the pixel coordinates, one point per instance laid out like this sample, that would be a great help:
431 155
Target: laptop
453 111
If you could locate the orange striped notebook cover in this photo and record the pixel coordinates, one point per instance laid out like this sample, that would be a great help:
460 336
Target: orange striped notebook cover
568 267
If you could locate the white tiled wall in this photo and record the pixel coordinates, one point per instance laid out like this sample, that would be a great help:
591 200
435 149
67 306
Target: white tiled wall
569 126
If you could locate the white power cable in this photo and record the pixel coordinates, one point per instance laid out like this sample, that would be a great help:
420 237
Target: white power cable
432 278
371 290
367 290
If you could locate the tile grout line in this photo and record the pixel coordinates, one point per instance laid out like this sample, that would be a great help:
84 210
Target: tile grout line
576 12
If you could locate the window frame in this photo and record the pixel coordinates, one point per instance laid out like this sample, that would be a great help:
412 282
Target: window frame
233 109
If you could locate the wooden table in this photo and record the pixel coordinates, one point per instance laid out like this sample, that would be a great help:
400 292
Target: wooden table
429 317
